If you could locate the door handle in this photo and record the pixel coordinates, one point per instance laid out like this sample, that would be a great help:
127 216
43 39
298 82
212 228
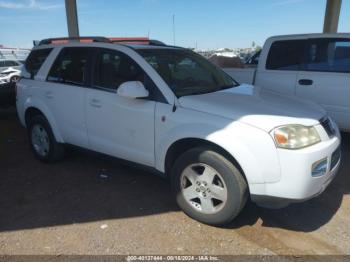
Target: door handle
305 82
49 94
95 103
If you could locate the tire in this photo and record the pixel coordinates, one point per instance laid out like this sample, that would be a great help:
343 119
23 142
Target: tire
42 141
202 165
14 79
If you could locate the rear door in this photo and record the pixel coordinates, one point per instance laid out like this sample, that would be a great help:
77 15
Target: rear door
119 126
283 63
326 78
64 93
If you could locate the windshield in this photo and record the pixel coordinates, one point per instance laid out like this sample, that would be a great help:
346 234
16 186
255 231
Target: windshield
186 72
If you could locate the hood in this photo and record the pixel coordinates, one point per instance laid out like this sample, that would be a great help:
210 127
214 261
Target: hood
256 106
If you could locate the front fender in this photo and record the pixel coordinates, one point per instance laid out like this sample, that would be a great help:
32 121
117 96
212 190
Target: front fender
252 148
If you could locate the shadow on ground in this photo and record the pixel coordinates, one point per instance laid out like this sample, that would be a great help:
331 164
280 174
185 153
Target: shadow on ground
85 187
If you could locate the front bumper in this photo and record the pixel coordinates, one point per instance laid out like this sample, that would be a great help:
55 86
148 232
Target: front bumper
297 183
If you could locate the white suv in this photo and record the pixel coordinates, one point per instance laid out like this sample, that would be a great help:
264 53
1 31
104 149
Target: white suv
170 109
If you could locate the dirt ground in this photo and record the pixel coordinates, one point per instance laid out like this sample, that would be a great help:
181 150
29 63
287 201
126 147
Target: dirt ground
69 208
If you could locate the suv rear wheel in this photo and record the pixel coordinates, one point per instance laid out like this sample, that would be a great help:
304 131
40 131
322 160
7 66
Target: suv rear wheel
42 140
208 187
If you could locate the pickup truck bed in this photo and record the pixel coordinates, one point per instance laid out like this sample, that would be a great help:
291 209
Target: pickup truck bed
242 75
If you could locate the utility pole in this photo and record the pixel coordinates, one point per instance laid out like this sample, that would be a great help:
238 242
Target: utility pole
331 18
72 18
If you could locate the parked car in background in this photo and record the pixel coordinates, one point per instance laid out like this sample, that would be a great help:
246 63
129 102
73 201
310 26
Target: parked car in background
10 75
171 110
7 63
313 66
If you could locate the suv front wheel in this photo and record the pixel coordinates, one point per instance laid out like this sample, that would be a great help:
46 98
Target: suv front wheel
42 140
208 187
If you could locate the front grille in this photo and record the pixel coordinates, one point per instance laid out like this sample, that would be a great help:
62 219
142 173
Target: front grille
328 126
335 158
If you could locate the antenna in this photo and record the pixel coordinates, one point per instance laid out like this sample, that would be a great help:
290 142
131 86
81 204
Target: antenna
174 30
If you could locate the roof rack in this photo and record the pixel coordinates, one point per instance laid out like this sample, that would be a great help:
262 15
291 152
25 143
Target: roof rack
156 42
62 40
136 40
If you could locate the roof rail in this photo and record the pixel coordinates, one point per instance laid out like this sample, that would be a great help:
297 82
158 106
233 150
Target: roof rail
136 40
61 40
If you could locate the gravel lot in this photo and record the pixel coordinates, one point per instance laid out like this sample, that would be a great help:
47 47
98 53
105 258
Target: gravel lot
69 208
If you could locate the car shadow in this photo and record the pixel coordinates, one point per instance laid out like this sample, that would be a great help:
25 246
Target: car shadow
87 187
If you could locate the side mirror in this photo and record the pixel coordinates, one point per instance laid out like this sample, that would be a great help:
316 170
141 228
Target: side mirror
132 89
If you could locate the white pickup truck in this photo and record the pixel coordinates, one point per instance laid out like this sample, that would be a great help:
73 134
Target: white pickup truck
312 66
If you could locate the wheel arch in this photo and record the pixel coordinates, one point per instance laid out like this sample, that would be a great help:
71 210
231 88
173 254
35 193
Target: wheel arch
182 145
33 110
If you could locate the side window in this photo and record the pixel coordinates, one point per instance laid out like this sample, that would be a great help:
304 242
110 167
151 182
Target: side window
286 55
70 66
35 60
114 68
2 63
10 63
329 55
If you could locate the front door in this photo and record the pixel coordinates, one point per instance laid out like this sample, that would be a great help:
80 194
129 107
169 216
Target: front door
119 126
283 62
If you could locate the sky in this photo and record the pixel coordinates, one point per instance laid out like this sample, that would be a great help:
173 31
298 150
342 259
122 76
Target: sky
207 24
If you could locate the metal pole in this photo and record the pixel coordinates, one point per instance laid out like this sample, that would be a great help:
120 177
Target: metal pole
331 19
72 18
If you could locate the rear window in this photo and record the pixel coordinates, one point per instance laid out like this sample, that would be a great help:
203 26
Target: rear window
35 60
286 55
329 55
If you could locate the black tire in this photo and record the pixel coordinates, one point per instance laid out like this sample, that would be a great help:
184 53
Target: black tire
14 79
55 150
237 189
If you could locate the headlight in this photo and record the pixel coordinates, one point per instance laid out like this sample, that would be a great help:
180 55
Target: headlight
295 136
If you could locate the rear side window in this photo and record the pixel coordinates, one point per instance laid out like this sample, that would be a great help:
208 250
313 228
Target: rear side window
70 66
286 55
35 60
329 55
